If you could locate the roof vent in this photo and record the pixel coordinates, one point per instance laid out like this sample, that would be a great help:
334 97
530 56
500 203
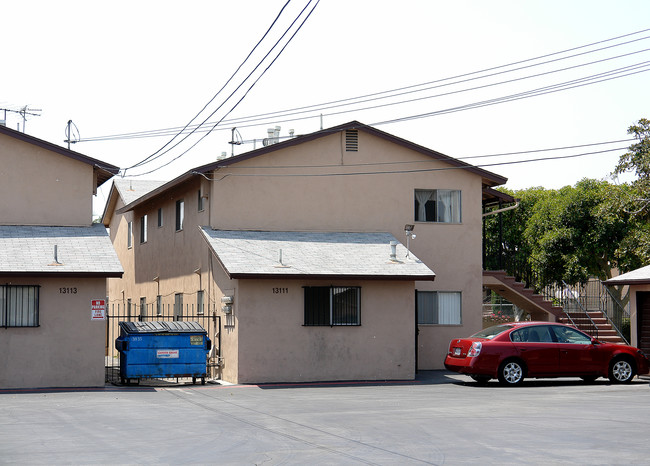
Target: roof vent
351 140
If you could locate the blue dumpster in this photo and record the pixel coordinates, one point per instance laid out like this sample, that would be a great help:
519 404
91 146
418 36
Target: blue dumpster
161 350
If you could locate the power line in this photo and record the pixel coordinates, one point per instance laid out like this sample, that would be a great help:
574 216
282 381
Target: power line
328 105
409 162
218 92
251 86
401 172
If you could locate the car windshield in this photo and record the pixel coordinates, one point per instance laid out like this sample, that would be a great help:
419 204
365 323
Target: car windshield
492 332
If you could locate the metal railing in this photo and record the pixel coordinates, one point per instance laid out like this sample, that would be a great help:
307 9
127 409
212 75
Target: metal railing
560 294
116 313
615 312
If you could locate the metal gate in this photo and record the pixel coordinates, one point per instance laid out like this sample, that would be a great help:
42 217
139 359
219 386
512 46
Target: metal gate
118 311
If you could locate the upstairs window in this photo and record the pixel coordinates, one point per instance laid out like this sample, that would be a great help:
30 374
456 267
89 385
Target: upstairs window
332 305
200 201
160 217
143 229
129 232
180 214
437 205
19 305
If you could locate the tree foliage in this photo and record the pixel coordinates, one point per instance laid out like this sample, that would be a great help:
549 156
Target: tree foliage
582 231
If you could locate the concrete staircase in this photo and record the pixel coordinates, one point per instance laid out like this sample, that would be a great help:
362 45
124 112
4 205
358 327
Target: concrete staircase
516 292
606 333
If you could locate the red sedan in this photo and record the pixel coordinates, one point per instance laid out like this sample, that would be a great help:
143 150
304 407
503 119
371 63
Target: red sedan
510 352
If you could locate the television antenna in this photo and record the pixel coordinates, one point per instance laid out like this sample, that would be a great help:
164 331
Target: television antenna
23 112
72 135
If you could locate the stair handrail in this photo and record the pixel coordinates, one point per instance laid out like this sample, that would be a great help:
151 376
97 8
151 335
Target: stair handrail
606 314
593 328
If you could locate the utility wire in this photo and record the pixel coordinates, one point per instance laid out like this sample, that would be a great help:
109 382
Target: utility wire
400 172
218 92
251 86
319 107
215 96
581 82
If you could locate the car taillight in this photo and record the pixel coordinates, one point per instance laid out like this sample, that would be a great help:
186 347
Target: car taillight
475 350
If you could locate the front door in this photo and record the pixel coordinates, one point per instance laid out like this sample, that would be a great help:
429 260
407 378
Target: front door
643 321
578 355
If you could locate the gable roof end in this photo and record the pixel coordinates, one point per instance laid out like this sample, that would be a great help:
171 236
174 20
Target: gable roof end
104 171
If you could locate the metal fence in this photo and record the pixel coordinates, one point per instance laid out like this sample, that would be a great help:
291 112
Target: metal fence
118 311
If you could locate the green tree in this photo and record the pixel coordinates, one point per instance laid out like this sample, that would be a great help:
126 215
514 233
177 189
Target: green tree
637 160
574 235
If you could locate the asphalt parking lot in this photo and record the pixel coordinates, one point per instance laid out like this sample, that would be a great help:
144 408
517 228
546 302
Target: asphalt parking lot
440 418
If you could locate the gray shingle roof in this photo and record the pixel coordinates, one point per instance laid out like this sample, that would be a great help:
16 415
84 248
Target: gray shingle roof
130 190
80 250
251 254
639 276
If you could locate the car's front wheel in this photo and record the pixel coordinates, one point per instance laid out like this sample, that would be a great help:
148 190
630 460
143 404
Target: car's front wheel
621 370
511 372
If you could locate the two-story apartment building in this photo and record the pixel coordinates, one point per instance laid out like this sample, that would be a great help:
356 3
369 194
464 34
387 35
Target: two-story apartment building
344 254
53 265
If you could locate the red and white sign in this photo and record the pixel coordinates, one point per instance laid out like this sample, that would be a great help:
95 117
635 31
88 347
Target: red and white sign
98 309
167 354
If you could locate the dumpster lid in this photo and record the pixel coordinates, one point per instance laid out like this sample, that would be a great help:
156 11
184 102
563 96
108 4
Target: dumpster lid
161 327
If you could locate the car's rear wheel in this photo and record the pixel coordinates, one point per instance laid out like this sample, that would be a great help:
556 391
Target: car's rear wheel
511 372
481 379
621 370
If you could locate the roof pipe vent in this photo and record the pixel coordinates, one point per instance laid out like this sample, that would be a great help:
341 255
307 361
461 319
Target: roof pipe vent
393 251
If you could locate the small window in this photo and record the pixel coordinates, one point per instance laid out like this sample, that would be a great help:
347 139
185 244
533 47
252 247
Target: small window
200 201
129 232
19 305
160 217
439 307
178 306
143 229
437 205
199 302
180 214
332 305
143 309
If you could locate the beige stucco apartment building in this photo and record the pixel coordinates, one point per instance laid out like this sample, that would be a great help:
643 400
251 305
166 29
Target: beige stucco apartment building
290 245
53 265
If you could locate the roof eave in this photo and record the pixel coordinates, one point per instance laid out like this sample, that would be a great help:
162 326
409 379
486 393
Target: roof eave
631 281
63 274
276 276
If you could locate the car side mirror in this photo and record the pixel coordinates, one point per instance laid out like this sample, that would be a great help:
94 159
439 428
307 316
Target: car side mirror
594 341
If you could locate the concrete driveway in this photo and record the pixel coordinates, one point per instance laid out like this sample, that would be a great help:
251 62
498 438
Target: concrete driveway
441 418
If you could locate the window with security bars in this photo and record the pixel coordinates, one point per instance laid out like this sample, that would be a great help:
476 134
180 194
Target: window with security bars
332 305
19 305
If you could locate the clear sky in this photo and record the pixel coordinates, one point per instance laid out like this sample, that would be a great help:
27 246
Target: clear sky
128 67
